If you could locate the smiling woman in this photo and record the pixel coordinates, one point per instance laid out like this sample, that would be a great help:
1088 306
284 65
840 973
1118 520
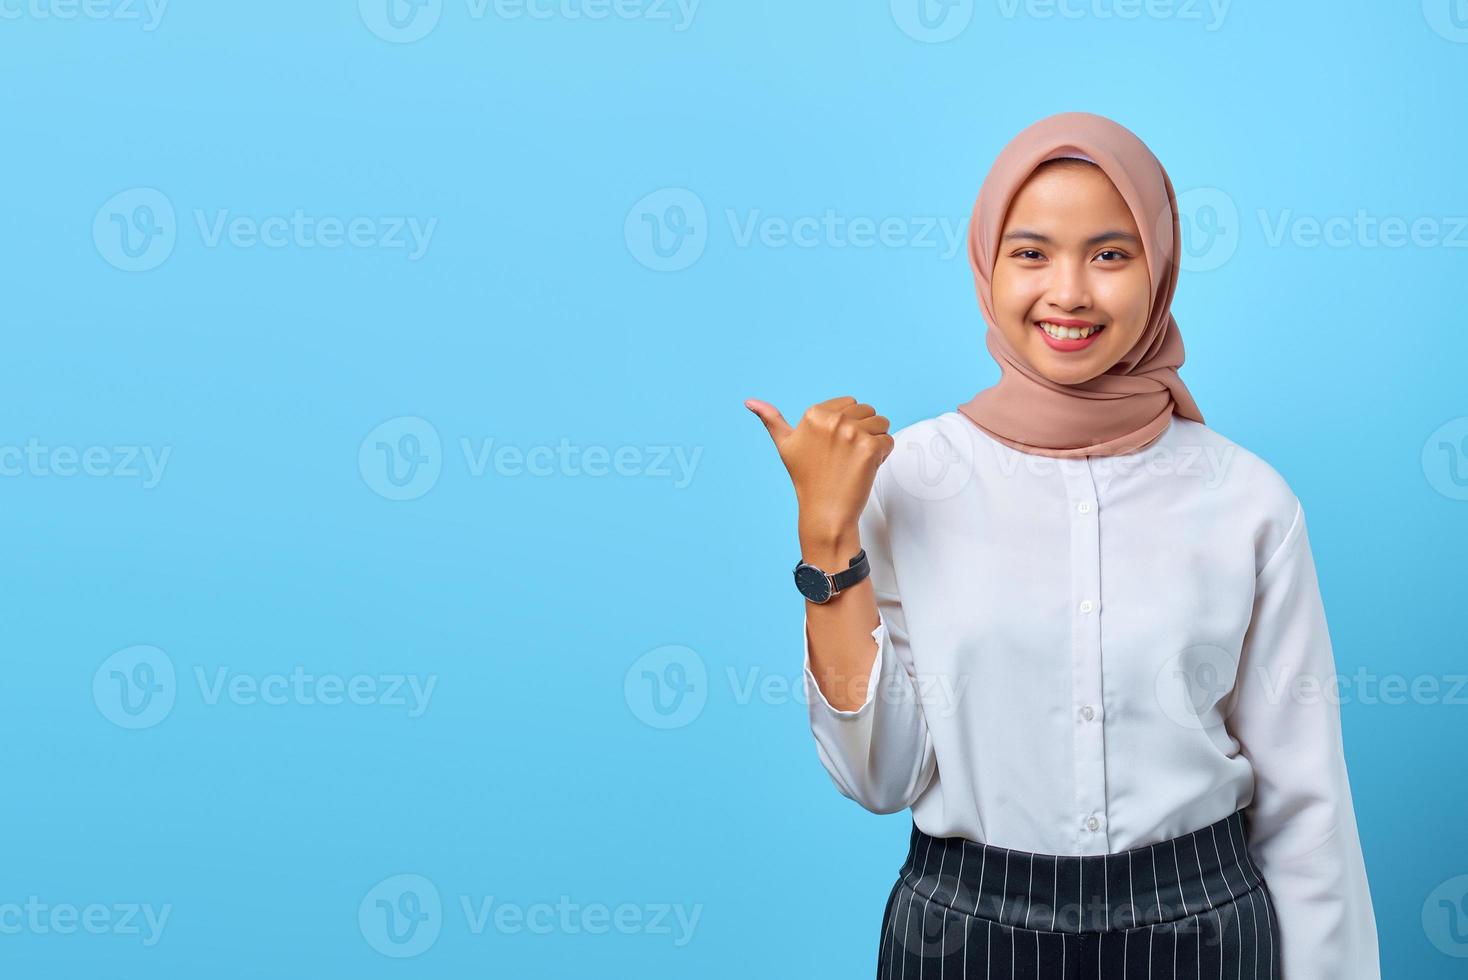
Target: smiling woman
1070 675
1075 263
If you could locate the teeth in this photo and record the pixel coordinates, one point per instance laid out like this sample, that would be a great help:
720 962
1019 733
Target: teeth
1067 333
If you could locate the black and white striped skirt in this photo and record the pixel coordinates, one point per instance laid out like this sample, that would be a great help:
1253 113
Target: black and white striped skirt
1191 907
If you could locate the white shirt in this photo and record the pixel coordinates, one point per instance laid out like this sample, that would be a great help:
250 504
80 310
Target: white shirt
1086 655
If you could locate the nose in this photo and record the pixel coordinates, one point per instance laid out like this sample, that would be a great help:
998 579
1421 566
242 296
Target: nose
1070 290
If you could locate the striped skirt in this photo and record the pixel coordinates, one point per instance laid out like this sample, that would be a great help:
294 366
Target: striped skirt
1191 907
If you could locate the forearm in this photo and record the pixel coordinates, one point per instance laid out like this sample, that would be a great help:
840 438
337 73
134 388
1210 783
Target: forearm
840 631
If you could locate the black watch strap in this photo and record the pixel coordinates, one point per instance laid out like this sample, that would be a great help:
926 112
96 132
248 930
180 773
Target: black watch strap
858 569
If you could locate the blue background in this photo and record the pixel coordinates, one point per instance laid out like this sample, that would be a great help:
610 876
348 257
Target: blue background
571 291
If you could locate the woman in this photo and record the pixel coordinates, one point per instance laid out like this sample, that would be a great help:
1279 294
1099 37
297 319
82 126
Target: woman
1076 630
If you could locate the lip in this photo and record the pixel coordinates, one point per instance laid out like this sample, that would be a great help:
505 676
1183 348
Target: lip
1068 345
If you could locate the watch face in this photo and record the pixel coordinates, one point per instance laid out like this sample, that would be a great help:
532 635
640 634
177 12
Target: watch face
812 583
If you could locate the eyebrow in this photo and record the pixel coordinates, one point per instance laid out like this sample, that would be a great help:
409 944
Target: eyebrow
1105 236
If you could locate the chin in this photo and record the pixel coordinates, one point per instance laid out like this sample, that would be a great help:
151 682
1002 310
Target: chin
1070 375
1069 369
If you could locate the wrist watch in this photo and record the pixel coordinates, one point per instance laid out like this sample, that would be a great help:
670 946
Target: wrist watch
819 586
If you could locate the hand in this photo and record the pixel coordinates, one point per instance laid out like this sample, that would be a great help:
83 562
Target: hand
832 457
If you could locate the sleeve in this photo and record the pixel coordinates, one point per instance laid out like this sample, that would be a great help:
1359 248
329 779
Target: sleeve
1302 824
881 753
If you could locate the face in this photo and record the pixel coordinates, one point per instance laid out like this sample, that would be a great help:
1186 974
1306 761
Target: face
1070 256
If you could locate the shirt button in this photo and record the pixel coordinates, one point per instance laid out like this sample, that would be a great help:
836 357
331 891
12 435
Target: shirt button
1087 606
1088 712
1084 507
1092 823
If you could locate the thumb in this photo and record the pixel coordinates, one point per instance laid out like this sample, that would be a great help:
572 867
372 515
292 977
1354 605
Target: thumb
771 417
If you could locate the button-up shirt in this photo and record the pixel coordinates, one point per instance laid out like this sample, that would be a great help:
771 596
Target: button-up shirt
1090 654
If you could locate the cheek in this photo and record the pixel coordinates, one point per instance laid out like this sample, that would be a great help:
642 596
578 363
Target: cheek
1013 294
1127 300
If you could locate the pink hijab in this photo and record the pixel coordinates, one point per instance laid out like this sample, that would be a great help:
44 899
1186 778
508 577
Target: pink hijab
1128 407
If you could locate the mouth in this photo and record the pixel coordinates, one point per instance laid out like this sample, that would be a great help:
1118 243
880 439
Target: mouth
1069 335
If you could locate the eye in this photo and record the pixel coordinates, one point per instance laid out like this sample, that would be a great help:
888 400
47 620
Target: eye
1120 255
1028 253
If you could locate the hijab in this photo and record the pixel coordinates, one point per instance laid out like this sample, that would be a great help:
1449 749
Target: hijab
1130 406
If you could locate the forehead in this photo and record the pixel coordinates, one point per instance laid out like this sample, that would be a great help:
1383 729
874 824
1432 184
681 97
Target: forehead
1070 196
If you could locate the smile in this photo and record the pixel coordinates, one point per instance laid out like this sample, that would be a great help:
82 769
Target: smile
1068 338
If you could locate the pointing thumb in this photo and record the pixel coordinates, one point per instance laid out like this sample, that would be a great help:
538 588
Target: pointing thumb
771 417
